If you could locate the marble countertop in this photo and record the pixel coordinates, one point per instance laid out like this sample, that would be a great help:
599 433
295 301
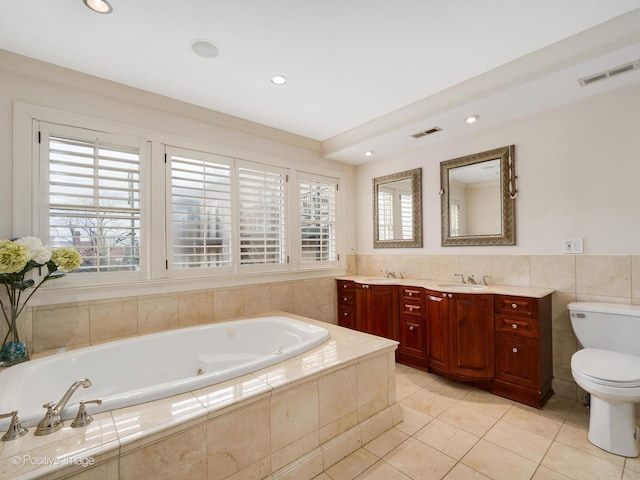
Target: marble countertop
451 287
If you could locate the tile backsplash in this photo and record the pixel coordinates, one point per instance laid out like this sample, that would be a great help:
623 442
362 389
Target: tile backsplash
600 278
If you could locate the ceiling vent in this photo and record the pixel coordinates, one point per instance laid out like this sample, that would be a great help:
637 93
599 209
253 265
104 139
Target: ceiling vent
627 67
426 132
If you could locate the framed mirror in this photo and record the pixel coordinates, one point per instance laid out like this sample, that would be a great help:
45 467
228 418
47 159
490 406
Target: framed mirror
478 195
397 210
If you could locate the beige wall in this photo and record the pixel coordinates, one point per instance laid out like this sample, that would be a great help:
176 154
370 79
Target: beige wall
578 168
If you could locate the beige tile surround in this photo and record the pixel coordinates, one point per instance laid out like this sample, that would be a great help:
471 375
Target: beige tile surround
289 421
598 278
475 435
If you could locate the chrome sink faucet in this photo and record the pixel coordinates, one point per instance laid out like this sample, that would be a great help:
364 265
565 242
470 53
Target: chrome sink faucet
471 280
461 275
52 421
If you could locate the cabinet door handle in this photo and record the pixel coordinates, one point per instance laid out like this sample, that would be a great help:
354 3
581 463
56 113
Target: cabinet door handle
344 299
514 326
450 295
514 350
346 314
411 294
444 295
513 305
344 286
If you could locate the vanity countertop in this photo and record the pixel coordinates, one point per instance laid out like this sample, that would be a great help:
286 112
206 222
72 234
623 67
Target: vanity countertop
451 287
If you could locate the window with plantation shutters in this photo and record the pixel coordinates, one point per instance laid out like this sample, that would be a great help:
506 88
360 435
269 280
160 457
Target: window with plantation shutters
318 203
406 215
201 220
261 214
93 198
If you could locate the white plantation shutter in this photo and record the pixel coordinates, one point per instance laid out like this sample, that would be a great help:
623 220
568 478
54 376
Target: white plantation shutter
94 198
318 204
385 214
201 220
406 215
261 214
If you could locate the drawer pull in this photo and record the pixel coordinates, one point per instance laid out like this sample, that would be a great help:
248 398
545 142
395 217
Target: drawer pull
344 286
450 295
514 326
514 350
411 294
411 327
411 309
513 305
346 314
344 299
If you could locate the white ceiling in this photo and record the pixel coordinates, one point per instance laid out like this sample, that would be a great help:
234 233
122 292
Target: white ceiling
363 75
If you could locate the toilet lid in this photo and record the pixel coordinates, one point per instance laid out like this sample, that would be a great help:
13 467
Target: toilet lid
608 368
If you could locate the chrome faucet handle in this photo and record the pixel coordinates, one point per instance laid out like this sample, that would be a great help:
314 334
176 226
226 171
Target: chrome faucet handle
461 275
471 279
83 418
15 430
484 279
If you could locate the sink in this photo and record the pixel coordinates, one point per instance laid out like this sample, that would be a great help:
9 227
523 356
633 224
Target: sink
381 281
459 286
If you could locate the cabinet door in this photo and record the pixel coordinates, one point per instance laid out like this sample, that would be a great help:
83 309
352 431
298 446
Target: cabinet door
362 321
471 336
383 310
437 330
518 360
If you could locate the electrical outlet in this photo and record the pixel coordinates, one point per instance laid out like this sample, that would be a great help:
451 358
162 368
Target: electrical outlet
573 245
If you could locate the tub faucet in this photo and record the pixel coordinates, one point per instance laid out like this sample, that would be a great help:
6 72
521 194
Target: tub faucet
52 421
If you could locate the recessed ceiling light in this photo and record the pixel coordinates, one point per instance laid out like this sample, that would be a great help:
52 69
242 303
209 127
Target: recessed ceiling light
368 153
205 48
472 118
279 79
100 6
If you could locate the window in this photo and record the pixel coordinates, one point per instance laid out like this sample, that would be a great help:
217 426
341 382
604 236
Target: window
261 214
406 215
201 220
454 220
318 203
385 214
93 198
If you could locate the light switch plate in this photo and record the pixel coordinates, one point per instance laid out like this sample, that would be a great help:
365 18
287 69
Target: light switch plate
573 245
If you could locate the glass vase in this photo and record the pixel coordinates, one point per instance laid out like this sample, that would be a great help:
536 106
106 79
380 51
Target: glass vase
13 351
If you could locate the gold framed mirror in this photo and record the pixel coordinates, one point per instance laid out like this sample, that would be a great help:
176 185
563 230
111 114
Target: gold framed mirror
478 195
397 210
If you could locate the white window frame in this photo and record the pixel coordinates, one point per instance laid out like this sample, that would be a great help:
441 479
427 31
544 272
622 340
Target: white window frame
154 277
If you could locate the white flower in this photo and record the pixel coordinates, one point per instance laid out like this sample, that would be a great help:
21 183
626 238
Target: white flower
37 252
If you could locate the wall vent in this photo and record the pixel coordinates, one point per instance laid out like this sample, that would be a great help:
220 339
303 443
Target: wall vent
596 77
426 132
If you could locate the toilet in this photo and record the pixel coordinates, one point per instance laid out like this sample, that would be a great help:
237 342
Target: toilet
608 368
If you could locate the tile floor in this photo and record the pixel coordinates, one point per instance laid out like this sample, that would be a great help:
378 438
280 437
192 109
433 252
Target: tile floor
454 432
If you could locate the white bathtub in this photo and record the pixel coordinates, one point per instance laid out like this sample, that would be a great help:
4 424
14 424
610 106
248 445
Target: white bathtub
150 367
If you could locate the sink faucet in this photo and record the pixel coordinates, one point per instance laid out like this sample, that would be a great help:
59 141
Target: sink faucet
471 280
462 280
390 274
52 421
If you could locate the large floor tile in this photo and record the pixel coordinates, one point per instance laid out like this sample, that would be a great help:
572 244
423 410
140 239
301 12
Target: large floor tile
469 419
462 472
353 465
517 440
419 461
382 471
446 438
412 420
577 464
498 463
386 442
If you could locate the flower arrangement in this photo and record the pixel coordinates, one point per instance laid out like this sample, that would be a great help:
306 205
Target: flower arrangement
17 258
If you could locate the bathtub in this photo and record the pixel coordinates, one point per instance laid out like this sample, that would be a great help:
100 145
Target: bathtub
150 367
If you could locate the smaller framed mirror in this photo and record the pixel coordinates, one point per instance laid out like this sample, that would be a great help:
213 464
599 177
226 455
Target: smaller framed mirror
478 199
397 210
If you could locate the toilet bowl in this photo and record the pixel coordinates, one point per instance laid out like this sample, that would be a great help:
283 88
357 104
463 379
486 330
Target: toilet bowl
613 380
608 368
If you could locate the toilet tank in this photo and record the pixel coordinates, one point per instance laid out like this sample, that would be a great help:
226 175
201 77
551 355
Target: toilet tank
607 326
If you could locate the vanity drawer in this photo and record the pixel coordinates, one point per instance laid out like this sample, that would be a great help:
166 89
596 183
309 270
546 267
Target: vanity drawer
346 286
411 308
412 293
509 305
347 316
517 325
347 297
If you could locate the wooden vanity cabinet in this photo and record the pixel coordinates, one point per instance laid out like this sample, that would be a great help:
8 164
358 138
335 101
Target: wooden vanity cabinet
368 308
460 335
524 366
412 350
